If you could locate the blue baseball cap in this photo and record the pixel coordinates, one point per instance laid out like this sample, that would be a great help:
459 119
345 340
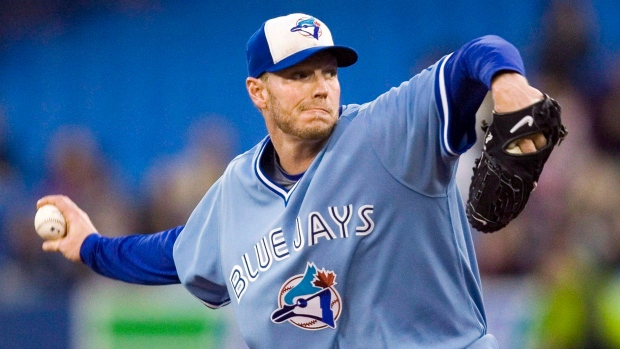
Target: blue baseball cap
282 42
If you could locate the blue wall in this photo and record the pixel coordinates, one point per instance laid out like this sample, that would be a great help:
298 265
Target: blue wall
139 79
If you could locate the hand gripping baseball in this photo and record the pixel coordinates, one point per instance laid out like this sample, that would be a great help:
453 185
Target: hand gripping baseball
78 227
503 180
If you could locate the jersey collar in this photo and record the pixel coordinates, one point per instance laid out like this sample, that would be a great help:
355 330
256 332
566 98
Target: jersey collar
265 178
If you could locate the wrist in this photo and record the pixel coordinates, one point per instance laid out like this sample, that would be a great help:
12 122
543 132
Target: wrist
88 247
511 91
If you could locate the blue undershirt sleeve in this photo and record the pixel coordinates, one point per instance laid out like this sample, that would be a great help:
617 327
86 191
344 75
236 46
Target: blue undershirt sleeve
468 73
138 259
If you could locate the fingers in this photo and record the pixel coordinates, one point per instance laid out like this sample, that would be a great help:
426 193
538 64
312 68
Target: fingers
526 145
539 140
49 199
51 245
62 202
529 144
65 246
66 206
79 227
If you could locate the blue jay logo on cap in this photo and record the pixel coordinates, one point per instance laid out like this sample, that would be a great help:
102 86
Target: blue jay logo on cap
309 301
308 27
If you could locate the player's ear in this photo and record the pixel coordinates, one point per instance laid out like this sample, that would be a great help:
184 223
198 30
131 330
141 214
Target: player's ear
257 91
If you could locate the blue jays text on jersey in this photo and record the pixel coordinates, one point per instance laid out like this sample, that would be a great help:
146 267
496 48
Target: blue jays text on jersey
273 246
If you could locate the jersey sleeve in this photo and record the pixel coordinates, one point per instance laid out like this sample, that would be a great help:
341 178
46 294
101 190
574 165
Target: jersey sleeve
138 259
197 252
463 80
419 128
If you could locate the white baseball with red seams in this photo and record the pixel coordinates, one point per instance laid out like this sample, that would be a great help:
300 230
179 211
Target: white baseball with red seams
49 222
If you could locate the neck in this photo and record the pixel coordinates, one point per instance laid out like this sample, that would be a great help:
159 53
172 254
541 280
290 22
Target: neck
296 156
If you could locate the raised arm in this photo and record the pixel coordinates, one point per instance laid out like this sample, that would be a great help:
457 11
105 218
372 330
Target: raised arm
488 63
525 128
140 259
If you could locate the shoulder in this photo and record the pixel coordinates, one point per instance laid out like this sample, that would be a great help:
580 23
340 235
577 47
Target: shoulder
241 171
250 152
246 158
350 111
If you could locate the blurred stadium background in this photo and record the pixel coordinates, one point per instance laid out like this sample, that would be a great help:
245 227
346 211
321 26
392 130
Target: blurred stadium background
134 107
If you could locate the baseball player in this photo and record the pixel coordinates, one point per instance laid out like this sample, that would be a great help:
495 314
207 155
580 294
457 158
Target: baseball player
344 228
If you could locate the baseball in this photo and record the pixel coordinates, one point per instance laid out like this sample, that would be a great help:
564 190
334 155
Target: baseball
49 222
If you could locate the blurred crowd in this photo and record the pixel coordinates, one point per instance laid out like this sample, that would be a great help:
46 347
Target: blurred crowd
551 278
32 280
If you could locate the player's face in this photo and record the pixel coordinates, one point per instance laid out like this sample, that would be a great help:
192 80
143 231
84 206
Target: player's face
304 100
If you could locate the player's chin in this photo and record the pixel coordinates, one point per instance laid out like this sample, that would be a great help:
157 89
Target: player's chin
317 131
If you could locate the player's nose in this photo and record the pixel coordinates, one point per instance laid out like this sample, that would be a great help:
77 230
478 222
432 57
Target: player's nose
320 85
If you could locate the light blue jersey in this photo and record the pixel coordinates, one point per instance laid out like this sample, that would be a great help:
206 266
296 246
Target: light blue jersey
370 249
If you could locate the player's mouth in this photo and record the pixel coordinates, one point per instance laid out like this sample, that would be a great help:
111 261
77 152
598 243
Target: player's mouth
318 110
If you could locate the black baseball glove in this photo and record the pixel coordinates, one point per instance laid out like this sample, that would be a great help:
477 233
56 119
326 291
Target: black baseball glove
502 181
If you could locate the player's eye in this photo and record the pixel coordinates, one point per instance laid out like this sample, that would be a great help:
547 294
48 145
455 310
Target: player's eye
299 75
331 73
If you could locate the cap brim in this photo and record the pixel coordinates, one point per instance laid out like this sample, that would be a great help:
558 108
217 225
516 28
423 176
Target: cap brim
345 56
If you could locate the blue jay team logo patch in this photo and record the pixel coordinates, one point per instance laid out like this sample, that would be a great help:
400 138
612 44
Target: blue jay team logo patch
308 27
309 301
